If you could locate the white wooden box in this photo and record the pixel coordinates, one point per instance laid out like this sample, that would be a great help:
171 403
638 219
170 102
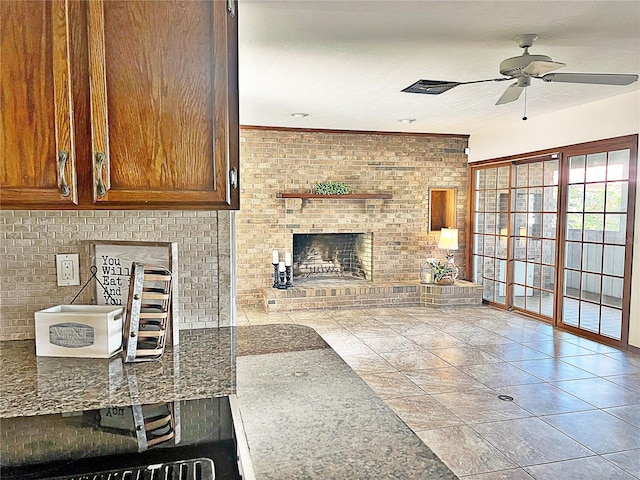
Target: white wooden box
93 331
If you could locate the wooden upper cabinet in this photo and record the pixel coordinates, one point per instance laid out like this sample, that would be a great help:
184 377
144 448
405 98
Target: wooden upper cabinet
160 90
156 91
37 158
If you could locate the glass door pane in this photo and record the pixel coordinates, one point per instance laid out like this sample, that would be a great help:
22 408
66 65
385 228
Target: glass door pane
533 236
594 246
490 230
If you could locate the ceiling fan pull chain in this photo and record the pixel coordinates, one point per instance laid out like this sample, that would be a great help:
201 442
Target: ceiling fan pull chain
525 104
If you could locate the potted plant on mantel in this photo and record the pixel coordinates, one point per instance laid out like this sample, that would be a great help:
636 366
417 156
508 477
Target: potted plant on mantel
332 188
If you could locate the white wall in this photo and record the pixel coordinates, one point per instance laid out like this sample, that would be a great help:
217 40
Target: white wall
609 118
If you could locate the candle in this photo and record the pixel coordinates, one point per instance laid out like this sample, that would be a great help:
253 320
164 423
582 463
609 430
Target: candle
281 267
275 257
287 259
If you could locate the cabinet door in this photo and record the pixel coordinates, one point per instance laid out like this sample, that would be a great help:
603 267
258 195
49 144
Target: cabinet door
162 103
37 160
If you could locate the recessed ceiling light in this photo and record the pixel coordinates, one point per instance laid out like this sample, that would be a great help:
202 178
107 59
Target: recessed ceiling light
407 120
299 115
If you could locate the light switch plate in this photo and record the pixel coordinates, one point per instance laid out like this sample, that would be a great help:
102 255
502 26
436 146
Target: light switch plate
68 269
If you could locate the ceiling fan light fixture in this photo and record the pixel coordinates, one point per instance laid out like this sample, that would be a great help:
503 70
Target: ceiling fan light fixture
515 66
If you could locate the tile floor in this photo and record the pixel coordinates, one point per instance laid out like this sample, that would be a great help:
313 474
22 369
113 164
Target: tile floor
575 412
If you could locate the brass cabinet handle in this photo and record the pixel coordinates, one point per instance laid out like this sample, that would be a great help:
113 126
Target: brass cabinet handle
62 161
99 164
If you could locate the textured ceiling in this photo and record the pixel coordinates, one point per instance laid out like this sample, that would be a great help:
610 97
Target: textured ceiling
346 62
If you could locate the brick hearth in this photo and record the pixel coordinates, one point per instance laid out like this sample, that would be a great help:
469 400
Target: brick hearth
329 294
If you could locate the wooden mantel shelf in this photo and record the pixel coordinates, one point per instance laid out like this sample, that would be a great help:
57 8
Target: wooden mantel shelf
347 196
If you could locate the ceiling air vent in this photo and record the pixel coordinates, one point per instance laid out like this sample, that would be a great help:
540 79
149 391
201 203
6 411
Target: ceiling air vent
431 87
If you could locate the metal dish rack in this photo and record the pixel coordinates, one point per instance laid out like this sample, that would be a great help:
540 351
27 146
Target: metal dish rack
147 317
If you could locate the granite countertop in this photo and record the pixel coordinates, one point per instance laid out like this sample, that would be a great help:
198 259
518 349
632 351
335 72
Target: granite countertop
202 365
305 412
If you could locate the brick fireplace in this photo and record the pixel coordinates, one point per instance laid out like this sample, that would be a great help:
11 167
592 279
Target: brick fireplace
332 256
402 166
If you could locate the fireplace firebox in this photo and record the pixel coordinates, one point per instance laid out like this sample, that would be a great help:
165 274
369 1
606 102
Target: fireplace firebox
344 255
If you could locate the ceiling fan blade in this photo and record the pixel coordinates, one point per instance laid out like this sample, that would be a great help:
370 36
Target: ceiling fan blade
511 94
539 67
436 87
592 78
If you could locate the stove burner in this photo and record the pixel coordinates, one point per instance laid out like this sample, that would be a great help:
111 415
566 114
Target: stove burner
195 469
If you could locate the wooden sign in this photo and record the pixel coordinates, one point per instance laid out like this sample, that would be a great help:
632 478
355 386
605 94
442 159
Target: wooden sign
113 260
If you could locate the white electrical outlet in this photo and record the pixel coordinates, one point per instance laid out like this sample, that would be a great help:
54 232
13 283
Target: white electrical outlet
68 269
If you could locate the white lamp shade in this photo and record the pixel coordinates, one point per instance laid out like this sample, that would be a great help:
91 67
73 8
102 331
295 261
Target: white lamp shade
448 239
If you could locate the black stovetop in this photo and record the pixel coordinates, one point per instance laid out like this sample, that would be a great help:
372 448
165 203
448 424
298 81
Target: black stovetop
117 437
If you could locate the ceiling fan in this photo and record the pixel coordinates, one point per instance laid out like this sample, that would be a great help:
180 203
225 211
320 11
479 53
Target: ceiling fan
522 69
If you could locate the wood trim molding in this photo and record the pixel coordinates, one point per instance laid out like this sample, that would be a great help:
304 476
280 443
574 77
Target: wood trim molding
633 349
346 196
573 149
354 132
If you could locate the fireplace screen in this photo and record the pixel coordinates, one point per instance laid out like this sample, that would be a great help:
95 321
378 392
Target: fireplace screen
345 255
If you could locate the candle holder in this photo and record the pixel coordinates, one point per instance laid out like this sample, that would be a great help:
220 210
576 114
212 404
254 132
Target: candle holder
282 283
288 276
275 276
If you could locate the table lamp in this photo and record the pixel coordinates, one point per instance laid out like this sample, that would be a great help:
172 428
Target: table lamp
449 241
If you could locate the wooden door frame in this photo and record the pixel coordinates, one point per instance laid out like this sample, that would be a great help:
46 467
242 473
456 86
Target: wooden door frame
620 143
617 143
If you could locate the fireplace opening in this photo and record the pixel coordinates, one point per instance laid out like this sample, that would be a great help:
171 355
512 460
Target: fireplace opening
332 255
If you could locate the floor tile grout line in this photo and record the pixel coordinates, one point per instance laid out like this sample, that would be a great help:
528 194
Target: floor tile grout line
594 454
603 410
542 417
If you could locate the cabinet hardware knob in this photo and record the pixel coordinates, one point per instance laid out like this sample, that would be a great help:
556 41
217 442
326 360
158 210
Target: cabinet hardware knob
233 177
99 164
62 161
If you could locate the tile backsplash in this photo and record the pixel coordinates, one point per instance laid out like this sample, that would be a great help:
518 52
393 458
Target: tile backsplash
30 240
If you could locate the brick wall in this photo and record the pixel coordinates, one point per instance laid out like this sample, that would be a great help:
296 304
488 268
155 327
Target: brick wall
405 166
30 240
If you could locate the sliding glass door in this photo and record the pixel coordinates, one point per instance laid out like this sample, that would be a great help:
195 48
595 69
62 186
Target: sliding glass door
595 252
552 236
514 234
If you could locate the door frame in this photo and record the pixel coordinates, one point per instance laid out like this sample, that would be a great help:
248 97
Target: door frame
620 143
625 142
